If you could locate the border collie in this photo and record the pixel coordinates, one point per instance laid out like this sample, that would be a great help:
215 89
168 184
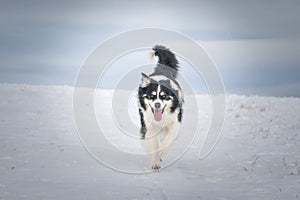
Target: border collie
160 105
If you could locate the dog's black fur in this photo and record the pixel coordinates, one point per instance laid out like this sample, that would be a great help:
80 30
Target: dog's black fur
167 62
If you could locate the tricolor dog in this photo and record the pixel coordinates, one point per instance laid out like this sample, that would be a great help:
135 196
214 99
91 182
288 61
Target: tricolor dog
160 105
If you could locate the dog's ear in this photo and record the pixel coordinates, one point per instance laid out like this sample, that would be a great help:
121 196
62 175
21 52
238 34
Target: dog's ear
145 80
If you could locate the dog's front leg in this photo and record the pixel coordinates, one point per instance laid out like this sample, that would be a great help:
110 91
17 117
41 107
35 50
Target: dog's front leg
170 135
152 148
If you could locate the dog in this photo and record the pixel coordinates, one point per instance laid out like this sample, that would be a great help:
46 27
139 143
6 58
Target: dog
160 102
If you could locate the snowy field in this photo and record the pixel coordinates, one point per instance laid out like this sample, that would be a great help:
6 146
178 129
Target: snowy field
41 157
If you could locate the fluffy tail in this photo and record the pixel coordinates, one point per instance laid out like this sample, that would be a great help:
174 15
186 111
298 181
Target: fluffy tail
166 57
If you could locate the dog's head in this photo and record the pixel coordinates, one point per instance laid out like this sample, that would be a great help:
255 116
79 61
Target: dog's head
159 95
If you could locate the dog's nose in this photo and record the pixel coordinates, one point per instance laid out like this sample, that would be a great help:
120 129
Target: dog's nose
157 105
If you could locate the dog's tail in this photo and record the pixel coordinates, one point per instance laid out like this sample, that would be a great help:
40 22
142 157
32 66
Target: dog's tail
166 57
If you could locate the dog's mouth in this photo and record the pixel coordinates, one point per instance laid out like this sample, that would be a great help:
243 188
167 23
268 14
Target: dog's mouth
157 113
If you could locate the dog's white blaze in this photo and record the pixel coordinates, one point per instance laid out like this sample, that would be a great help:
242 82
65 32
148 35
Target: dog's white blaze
158 89
157 100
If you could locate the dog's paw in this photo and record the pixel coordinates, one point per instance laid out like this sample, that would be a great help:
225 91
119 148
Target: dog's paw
156 167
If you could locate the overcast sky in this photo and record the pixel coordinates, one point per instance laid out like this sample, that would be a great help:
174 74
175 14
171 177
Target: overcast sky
255 44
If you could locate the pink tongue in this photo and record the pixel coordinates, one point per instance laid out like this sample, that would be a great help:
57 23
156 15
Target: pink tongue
157 115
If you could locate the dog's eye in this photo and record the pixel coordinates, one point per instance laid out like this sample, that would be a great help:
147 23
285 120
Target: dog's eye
164 97
151 96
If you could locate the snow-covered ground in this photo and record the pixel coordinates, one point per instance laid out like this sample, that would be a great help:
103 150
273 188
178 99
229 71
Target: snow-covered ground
41 156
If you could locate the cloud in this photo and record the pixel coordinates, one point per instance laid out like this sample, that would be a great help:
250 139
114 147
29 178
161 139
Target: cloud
227 19
256 53
255 44
250 65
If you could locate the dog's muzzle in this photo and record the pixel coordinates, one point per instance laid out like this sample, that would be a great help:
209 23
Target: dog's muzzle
157 113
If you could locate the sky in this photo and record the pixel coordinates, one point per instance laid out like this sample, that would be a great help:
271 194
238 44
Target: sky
254 44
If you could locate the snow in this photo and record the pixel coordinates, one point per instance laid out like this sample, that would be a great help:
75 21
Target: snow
41 156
